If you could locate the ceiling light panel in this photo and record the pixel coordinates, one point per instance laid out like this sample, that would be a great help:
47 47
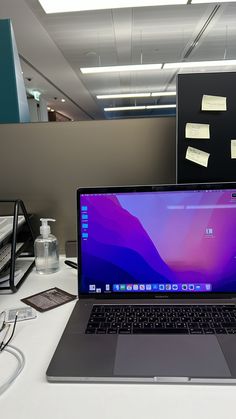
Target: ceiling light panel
211 1
120 68
160 106
137 108
134 95
125 108
64 6
195 64
159 94
123 95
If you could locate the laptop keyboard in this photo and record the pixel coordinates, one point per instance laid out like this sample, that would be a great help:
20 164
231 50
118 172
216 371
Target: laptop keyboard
162 319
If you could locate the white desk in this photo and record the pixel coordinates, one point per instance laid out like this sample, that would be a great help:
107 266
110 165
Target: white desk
32 397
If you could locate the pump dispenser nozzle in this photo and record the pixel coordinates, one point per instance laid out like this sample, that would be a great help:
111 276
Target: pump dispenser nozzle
45 229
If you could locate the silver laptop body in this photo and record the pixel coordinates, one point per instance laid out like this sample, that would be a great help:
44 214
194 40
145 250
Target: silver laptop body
157 287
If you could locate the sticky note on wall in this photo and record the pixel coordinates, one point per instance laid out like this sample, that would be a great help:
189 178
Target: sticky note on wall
214 103
200 131
197 156
233 149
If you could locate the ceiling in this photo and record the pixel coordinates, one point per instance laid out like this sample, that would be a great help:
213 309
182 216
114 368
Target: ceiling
54 47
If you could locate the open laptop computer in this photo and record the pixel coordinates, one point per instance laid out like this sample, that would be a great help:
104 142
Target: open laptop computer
157 287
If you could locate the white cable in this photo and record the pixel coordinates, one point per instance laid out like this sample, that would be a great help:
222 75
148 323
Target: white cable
18 354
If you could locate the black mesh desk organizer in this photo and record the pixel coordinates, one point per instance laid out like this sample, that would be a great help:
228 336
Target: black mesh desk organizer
16 244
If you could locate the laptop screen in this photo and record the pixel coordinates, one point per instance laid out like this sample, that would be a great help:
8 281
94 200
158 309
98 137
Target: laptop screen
163 240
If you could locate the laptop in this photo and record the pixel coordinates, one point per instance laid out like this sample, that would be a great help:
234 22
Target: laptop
157 287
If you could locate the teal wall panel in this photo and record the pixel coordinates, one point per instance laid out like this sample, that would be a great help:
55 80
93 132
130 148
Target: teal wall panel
13 105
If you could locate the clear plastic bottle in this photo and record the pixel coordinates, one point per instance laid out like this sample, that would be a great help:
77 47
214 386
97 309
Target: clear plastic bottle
46 249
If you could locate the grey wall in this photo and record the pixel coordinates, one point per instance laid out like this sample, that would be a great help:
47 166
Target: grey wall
44 163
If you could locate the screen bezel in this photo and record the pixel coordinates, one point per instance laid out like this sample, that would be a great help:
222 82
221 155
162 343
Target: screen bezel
146 188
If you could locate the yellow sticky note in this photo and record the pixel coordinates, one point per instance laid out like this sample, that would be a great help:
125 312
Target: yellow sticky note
197 156
201 131
214 103
233 149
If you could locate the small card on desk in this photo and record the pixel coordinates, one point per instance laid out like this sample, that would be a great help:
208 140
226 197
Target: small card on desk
49 299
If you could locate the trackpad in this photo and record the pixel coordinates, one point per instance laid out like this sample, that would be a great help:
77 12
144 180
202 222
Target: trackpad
170 356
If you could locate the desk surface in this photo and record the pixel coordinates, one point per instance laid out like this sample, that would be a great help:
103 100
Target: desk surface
31 396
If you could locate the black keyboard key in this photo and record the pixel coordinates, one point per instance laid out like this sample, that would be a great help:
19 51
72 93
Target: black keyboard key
105 325
170 325
125 331
98 319
159 325
93 325
220 331
90 331
193 325
229 325
160 331
204 325
101 331
231 331
209 331
100 316
112 331
94 322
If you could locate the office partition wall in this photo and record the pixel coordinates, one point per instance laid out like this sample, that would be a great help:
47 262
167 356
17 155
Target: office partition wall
44 163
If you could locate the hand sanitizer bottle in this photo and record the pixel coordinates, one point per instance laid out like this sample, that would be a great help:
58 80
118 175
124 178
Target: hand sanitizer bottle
46 249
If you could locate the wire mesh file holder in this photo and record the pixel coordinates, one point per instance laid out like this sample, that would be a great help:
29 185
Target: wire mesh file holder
16 244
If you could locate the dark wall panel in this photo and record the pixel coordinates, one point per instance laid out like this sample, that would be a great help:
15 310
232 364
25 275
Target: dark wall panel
191 88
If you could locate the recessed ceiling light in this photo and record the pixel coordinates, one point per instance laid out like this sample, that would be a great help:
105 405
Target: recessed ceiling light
48 108
160 106
137 108
163 94
123 95
124 108
211 1
193 64
63 100
133 95
120 68
64 6
52 110
167 66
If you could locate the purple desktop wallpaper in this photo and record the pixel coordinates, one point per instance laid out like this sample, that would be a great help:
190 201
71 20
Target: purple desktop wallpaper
137 241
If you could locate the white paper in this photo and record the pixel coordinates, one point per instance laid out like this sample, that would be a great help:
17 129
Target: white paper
197 156
233 149
214 103
201 131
